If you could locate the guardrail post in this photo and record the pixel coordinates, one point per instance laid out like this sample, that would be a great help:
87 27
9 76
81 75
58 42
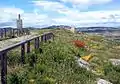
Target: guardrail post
42 38
37 44
4 68
5 32
21 31
10 33
53 36
28 32
45 36
17 33
23 53
2 34
28 47
13 32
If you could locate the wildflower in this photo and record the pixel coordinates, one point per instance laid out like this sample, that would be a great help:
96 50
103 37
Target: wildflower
79 43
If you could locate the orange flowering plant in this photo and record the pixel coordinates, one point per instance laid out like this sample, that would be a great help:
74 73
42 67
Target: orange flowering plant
79 43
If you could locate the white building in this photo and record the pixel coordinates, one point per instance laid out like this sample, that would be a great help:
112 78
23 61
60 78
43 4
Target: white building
72 29
19 22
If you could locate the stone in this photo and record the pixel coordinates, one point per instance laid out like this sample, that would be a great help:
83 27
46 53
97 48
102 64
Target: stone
83 63
115 61
102 81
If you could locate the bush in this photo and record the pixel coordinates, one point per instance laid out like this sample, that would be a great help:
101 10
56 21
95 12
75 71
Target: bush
13 79
31 58
45 80
114 77
112 73
41 68
13 58
17 78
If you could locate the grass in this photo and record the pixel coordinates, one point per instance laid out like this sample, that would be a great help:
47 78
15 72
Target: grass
56 62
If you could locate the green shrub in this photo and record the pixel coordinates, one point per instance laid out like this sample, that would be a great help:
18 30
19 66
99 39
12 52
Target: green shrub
45 80
41 68
39 51
113 77
13 79
17 78
117 68
112 73
13 58
31 59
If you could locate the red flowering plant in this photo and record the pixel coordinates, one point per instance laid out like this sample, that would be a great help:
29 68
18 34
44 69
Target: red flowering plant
79 44
82 47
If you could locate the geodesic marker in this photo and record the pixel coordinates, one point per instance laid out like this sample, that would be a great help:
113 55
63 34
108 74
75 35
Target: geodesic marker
87 58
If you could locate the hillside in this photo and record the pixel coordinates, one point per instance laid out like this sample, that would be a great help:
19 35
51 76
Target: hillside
55 62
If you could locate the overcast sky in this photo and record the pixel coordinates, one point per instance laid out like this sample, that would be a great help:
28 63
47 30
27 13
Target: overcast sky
40 13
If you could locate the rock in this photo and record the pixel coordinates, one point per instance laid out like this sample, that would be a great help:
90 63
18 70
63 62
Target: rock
102 81
83 63
115 61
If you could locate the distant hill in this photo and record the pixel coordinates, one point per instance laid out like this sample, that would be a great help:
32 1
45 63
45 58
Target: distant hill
57 26
97 29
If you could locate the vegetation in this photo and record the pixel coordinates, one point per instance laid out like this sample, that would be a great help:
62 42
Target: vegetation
54 62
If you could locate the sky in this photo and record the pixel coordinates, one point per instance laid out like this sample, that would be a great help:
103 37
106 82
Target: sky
42 13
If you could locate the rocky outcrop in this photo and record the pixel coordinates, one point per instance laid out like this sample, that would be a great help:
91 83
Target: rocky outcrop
115 61
82 63
102 81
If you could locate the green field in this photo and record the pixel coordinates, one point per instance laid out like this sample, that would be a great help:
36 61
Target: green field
56 63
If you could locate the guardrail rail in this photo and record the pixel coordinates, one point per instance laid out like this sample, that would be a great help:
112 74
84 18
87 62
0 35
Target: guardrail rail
3 52
12 32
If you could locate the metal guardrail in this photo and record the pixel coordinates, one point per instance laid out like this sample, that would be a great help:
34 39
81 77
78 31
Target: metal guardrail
12 32
3 52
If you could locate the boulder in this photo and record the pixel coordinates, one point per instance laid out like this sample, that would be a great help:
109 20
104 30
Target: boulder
102 81
83 63
115 61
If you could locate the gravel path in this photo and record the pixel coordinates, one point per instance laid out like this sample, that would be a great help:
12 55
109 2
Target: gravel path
8 42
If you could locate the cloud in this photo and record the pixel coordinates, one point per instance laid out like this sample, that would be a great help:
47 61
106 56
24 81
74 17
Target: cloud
9 15
90 18
49 5
112 14
6 24
87 2
59 13
33 19
74 14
